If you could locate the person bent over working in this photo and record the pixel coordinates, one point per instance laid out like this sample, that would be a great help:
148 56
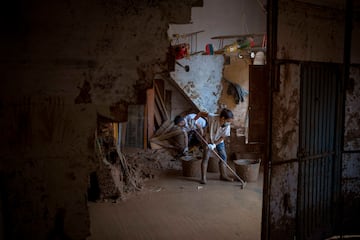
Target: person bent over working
189 125
219 129
180 138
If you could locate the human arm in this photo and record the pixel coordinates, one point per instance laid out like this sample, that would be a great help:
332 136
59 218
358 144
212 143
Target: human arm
219 140
200 128
200 114
221 134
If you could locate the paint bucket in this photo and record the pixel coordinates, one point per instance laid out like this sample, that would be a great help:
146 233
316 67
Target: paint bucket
191 166
213 165
247 169
259 58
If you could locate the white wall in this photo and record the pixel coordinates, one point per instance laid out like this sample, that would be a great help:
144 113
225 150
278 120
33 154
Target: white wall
202 83
227 17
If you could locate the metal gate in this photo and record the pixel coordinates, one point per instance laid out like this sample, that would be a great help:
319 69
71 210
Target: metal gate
319 162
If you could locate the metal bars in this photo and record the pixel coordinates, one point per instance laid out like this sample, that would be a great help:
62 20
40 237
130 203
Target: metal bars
317 150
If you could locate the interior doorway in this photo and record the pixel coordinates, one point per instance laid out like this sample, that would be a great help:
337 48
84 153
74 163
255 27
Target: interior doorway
169 204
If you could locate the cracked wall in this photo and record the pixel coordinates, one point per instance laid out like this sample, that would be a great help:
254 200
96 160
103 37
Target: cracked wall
62 64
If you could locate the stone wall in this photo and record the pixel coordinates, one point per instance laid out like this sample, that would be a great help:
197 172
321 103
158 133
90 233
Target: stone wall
62 64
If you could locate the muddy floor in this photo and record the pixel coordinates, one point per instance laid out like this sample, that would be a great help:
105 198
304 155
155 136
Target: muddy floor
171 206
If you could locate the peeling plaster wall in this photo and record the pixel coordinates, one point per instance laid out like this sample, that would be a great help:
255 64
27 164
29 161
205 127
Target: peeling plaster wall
179 104
310 32
237 72
285 140
285 134
283 201
62 63
202 84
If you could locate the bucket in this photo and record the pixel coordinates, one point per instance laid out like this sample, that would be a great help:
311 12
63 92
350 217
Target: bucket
259 58
247 169
213 165
191 166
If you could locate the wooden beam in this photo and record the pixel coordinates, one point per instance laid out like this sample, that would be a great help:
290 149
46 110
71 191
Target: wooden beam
162 107
150 108
168 95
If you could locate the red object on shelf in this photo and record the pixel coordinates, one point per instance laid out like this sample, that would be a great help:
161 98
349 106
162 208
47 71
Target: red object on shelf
181 51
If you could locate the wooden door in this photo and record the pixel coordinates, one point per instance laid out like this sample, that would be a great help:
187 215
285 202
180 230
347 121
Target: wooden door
258 104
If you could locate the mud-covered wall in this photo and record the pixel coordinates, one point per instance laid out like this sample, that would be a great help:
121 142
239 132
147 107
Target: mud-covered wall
310 32
63 63
315 33
285 141
351 155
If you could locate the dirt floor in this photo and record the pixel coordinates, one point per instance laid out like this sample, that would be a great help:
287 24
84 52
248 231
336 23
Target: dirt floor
171 206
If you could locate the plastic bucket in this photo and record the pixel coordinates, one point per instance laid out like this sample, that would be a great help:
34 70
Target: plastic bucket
213 165
247 169
191 166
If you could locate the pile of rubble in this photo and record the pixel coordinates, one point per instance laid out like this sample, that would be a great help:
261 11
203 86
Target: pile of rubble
122 173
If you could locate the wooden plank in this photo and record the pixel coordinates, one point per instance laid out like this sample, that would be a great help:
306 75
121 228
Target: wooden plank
145 129
177 36
168 95
239 36
116 132
165 127
150 107
160 83
123 134
162 107
158 119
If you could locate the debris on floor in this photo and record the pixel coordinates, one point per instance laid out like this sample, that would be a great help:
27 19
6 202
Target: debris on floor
122 172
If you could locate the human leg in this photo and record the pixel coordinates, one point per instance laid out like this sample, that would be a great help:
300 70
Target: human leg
204 164
220 148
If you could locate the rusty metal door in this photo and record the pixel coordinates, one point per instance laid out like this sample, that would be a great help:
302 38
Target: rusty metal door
319 159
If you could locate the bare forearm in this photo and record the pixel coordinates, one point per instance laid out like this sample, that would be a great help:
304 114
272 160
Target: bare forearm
200 114
219 140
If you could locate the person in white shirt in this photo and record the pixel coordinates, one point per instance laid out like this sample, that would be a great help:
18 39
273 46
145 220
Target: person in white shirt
219 129
189 125
192 124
